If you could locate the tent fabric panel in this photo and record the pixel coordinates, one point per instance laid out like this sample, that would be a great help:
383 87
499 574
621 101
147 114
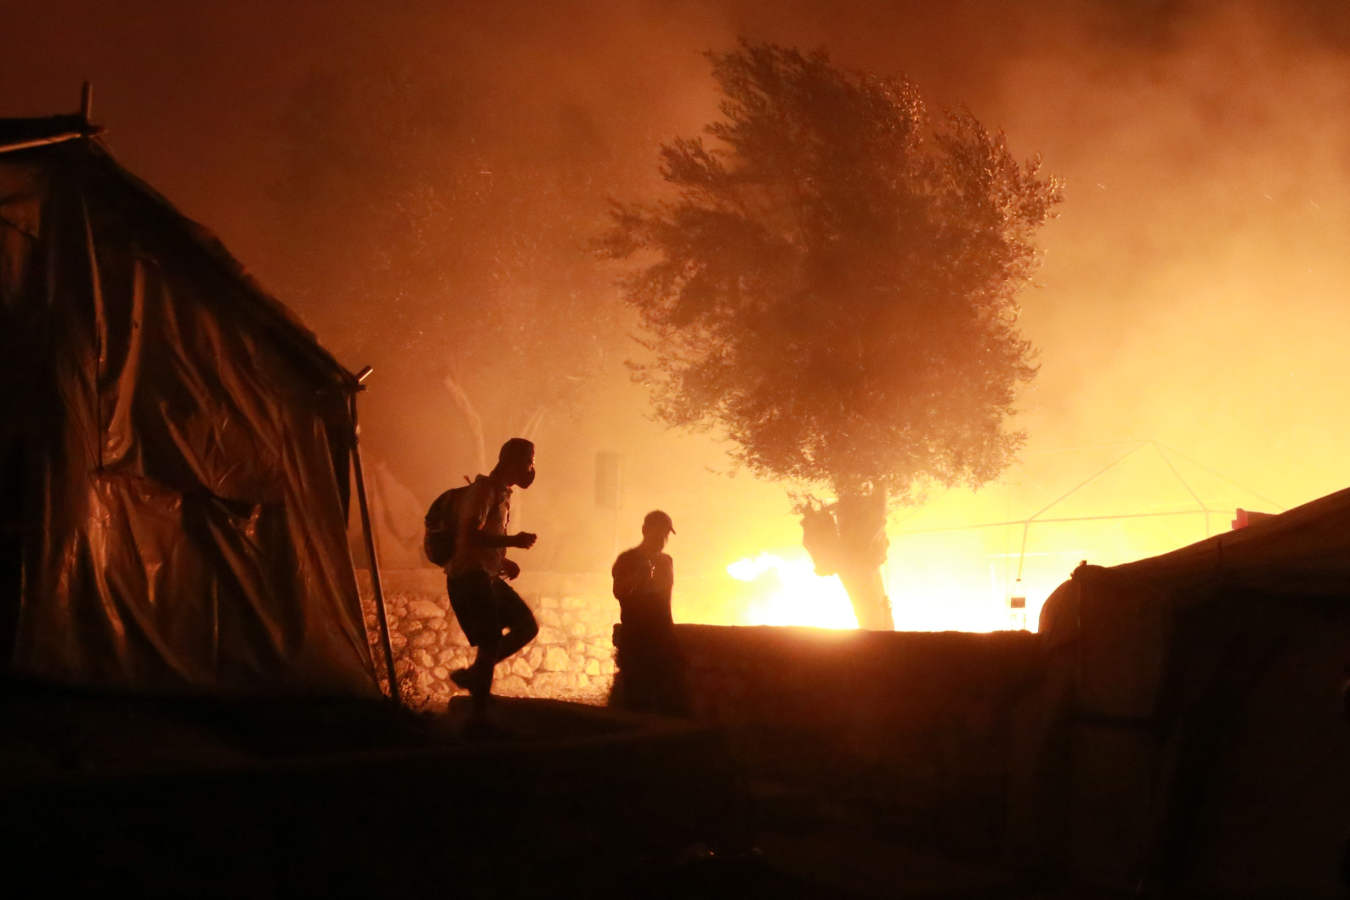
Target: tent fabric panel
1251 629
1269 816
1112 791
188 239
1124 635
187 525
168 591
23 187
1123 615
1302 551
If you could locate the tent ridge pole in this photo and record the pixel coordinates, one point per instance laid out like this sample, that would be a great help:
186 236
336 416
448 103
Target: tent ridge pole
369 534
42 142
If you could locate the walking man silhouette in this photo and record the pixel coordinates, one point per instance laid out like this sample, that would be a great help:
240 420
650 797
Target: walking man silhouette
494 617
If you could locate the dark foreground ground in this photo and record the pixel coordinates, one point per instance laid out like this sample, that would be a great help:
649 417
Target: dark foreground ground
300 799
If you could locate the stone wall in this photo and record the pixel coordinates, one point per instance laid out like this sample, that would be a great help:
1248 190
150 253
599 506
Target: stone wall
911 733
571 659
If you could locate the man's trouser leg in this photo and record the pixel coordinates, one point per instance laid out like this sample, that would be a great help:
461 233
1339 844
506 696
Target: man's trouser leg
515 617
473 600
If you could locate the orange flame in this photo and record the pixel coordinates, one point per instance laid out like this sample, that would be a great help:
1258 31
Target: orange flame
965 563
786 591
789 592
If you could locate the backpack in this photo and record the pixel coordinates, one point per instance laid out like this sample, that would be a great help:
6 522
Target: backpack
441 520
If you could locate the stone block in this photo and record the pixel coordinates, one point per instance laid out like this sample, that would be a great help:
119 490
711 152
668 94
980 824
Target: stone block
441 673
449 656
549 618
601 625
555 660
425 638
580 680
536 656
578 629
422 608
409 628
511 685
424 659
522 668
551 636
592 667
600 649
551 684
606 667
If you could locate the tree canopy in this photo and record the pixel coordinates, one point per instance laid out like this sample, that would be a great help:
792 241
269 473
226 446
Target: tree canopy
833 283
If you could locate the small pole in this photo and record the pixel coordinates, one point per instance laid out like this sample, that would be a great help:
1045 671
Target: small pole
86 102
1022 554
618 505
375 585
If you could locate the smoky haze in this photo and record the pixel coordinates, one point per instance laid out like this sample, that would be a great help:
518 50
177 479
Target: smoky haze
376 170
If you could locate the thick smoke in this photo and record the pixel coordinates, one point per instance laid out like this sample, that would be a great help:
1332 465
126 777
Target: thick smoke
1192 291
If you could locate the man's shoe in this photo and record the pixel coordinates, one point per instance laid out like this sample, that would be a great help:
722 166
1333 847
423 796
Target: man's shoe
463 679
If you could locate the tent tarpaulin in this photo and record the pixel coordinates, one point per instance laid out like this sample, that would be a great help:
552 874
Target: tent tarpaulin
175 449
1189 733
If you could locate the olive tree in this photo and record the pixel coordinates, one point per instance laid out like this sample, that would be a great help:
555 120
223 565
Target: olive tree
831 282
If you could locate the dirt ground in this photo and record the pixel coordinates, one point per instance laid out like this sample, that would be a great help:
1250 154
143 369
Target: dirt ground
189 797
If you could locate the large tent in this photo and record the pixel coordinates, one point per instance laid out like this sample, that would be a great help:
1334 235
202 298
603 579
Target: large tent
176 448
1189 732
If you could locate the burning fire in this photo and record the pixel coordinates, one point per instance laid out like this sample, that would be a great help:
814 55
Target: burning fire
966 564
978 580
786 591
789 592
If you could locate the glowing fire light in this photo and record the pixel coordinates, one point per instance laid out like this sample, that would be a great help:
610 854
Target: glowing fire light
949 594
789 592
952 581
968 564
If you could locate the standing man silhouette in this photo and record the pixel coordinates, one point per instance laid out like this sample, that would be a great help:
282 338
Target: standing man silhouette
651 668
494 617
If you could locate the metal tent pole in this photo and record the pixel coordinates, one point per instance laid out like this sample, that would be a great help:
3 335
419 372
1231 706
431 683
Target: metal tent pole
369 534
43 141
87 130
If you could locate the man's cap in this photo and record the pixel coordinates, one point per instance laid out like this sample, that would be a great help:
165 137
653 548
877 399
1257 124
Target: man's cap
656 517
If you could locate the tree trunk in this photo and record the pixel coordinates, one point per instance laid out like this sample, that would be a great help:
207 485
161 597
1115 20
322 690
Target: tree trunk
861 519
867 593
848 539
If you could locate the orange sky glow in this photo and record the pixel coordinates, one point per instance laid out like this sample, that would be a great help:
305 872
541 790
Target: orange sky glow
1190 313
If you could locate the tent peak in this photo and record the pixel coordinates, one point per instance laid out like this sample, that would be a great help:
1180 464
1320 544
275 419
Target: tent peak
25 133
